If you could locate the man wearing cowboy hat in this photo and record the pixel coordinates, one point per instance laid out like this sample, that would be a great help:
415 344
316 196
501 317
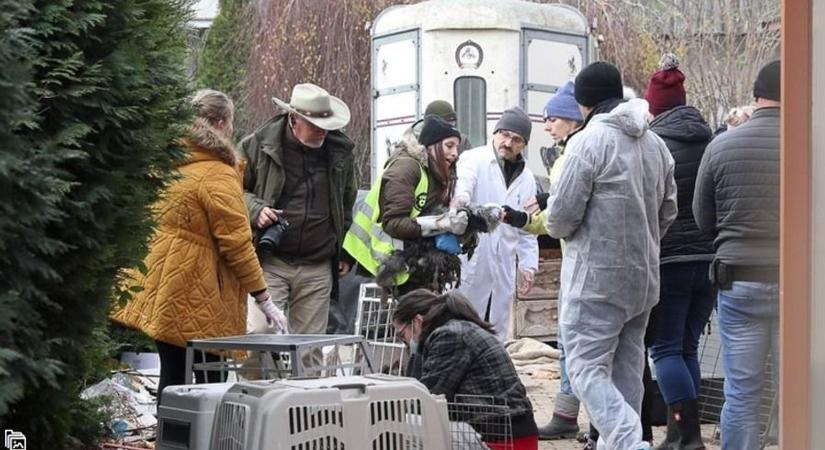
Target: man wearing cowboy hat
299 185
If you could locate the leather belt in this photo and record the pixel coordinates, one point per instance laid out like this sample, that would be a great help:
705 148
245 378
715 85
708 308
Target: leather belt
765 274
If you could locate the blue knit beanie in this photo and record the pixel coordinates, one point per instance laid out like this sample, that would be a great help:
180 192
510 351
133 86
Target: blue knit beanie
563 105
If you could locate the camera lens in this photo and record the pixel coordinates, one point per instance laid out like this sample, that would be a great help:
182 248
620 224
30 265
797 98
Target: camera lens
271 237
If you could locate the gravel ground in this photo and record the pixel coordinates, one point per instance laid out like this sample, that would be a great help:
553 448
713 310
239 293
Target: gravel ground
542 391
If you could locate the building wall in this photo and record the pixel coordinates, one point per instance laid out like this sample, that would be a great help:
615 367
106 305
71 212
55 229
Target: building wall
817 388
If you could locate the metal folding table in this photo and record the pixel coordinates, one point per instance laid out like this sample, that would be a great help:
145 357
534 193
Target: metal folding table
293 347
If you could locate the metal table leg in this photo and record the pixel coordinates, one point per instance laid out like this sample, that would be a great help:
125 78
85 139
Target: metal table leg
367 358
190 357
297 363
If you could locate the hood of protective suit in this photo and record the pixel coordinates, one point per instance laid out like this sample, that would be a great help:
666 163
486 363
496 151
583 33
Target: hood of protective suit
630 117
613 201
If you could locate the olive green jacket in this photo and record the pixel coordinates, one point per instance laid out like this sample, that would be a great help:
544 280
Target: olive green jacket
264 173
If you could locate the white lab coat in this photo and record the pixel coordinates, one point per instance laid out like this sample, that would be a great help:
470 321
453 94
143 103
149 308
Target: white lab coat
614 199
492 269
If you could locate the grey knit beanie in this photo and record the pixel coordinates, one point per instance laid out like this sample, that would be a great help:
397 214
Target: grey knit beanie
515 120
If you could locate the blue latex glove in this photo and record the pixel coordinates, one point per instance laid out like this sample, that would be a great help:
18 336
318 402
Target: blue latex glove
448 243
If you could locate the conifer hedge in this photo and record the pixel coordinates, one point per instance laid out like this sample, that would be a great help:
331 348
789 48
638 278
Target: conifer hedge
91 103
223 59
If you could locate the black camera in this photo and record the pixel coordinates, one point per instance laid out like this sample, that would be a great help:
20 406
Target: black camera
271 236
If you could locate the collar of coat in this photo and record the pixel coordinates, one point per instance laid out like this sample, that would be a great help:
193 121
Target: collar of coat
271 135
205 143
408 146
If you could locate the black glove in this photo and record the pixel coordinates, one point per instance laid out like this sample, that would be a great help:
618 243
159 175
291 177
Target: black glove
541 199
514 218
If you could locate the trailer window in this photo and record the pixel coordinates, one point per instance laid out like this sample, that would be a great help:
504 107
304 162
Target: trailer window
471 108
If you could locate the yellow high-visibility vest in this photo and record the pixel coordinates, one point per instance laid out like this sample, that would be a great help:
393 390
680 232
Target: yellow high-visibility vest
366 240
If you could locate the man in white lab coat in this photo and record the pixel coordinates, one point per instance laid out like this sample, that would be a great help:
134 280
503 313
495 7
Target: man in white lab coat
496 173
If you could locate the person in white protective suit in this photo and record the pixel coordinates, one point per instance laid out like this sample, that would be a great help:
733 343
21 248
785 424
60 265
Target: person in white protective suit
497 174
614 199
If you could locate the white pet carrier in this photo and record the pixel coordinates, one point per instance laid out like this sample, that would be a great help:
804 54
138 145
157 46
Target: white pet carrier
186 415
376 412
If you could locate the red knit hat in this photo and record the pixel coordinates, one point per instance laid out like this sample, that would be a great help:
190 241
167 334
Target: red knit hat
666 89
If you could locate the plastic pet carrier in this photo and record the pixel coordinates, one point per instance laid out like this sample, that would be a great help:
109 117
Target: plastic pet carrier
375 412
186 415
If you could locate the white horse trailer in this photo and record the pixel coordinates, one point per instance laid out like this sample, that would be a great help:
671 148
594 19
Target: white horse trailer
483 56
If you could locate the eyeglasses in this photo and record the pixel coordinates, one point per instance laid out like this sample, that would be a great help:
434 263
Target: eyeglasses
399 333
514 138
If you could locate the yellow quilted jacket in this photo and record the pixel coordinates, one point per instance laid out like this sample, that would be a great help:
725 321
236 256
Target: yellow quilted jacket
201 261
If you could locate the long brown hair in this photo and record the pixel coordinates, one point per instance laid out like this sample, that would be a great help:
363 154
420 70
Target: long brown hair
444 171
437 310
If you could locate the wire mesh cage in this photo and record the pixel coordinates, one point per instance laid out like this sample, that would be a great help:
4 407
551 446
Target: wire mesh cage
712 393
480 422
374 324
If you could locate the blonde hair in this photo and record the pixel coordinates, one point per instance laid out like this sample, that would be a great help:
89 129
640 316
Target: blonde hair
213 105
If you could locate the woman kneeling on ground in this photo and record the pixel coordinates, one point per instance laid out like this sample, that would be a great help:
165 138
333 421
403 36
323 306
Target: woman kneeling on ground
461 356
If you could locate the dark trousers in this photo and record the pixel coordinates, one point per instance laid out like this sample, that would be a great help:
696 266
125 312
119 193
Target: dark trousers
173 367
686 301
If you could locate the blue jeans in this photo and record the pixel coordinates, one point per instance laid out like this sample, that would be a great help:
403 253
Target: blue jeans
686 299
749 329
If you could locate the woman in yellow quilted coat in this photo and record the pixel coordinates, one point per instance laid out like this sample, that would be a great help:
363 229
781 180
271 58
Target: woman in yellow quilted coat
201 262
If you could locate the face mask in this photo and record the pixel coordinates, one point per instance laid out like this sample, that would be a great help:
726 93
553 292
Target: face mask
413 343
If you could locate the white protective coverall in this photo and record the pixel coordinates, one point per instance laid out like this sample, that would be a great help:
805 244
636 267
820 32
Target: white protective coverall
492 269
614 199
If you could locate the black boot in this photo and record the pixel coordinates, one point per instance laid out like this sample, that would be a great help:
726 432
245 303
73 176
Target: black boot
673 437
686 415
647 403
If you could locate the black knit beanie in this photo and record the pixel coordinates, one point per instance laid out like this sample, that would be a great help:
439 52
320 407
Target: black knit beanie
767 84
436 130
598 82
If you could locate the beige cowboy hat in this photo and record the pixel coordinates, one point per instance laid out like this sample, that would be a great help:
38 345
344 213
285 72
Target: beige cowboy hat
316 106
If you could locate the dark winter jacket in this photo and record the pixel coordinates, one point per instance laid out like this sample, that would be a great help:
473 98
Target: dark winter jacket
737 192
460 358
264 176
310 237
398 183
686 135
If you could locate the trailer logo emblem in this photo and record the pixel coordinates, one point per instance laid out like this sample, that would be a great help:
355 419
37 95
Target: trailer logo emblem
469 55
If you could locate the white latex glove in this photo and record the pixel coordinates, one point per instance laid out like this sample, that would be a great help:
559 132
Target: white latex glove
452 221
274 315
528 278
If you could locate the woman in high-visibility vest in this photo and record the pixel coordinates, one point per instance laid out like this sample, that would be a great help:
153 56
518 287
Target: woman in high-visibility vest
409 202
